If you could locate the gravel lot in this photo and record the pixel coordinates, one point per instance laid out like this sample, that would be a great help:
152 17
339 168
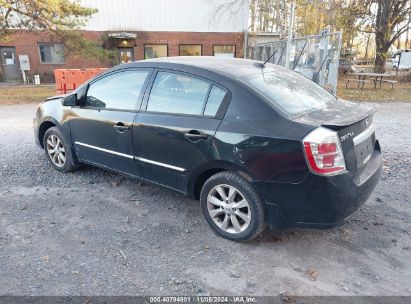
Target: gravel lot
92 232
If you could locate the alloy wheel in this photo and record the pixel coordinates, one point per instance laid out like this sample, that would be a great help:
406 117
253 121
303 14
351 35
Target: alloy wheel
56 151
229 209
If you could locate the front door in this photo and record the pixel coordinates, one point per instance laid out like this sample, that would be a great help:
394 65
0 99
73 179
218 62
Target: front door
9 63
173 132
125 55
101 126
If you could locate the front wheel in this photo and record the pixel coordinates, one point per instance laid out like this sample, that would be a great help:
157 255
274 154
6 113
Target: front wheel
57 151
232 207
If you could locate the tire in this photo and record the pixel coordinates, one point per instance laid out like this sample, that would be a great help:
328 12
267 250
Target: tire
226 215
62 158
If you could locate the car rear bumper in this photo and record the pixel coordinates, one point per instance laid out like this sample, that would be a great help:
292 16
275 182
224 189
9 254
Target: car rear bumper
320 201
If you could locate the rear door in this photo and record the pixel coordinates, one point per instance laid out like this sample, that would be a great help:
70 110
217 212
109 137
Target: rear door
173 132
101 126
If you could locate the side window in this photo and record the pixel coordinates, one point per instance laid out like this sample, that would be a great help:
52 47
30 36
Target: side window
214 101
117 91
177 93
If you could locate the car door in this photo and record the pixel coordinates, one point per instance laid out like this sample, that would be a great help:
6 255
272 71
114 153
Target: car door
101 126
174 130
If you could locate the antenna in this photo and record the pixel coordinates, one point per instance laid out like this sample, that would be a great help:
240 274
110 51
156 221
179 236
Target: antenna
272 55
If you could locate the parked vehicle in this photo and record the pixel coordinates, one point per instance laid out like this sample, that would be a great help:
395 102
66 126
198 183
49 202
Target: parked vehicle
403 58
391 64
257 144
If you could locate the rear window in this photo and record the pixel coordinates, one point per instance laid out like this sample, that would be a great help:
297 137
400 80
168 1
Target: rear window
294 94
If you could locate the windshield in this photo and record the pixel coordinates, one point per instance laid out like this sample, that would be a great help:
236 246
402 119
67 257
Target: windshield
294 94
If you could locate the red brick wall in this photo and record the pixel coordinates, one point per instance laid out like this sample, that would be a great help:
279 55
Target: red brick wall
27 43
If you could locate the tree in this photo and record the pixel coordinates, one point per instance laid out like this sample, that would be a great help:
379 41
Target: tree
340 15
390 23
61 19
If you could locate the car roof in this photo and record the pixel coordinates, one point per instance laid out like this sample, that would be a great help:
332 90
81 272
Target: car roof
232 67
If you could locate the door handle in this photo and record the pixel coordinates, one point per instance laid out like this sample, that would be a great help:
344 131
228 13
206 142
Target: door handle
195 135
121 127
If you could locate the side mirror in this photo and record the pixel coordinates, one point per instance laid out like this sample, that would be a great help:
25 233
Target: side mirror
70 100
75 98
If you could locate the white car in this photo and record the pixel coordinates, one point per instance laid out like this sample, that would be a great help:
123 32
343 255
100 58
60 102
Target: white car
391 64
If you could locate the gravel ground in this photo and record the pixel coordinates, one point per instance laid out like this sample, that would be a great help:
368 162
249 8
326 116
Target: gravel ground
92 232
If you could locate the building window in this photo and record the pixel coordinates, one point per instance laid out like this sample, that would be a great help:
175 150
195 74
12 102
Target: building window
190 50
155 50
224 50
51 53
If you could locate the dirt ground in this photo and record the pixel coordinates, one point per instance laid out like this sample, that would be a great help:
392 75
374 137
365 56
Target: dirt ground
91 232
400 92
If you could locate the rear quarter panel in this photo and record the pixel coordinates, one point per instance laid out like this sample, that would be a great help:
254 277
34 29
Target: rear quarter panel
260 141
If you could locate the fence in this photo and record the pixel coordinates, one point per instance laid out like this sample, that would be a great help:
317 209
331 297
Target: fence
70 79
316 57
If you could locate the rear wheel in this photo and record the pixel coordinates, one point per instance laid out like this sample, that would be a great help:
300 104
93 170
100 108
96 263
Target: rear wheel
232 207
57 152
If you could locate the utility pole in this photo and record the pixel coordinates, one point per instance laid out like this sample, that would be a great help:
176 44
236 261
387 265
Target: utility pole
290 34
246 7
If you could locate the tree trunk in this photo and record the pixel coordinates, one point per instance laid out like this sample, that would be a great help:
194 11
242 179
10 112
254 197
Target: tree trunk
252 17
381 52
367 46
382 35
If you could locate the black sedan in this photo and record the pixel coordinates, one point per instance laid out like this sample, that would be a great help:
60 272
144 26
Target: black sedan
257 144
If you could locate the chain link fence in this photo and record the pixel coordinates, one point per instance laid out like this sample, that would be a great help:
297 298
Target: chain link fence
316 57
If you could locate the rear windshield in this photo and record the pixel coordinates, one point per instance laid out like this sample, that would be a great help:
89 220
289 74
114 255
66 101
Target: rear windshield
294 94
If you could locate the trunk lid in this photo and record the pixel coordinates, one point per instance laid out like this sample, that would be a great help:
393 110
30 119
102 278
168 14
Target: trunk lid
354 125
338 114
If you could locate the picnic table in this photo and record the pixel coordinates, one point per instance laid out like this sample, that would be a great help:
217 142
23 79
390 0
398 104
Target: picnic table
376 77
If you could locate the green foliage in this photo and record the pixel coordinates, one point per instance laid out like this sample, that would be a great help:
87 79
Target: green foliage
387 20
61 19
52 16
341 15
76 43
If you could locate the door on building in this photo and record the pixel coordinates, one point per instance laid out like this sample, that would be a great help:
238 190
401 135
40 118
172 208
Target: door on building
125 55
9 63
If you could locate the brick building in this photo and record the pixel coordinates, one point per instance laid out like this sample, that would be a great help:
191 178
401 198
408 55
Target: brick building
136 30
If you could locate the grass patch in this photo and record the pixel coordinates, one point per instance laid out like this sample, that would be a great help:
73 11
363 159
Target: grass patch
25 94
401 92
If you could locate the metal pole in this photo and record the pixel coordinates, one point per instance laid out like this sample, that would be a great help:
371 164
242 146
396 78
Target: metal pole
246 7
290 34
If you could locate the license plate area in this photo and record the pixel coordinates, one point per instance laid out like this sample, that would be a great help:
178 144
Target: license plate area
364 146
363 151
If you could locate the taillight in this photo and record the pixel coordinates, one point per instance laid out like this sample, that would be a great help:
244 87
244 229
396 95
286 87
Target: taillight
323 152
